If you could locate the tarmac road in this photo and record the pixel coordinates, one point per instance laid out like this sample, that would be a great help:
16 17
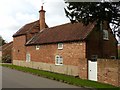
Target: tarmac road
17 79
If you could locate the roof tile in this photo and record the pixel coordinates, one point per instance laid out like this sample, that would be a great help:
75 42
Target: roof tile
28 28
62 33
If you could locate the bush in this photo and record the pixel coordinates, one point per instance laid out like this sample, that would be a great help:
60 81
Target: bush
6 59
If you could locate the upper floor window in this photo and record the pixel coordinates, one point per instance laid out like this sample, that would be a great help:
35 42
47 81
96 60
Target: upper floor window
60 45
37 47
113 57
28 58
94 57
58 60
105 35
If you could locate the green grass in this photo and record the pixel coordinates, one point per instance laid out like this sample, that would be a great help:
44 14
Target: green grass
63 78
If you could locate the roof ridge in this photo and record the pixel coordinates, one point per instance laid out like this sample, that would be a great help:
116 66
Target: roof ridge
59 25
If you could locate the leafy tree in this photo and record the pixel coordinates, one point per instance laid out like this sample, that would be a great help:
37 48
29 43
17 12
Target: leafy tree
87 12
2 41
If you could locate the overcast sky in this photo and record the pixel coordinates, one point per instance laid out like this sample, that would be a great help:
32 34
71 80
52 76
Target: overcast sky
16 13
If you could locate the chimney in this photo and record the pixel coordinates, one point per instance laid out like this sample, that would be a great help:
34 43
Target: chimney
42 18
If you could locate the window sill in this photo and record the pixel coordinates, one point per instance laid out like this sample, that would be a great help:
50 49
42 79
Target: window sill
37 49
105 39
60 48
58 64
27 61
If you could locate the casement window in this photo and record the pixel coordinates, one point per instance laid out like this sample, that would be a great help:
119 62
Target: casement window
113 57
28 58
37 47
58 60
94 57
60 46
105 35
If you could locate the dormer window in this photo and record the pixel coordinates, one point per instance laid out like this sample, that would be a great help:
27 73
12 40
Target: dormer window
60 46
37 47
105 35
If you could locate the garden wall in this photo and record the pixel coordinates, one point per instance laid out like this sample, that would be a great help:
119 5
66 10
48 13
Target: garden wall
109 71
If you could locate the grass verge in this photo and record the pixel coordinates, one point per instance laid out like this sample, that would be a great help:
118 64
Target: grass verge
60 77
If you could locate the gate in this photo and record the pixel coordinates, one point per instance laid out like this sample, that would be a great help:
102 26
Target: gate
92 70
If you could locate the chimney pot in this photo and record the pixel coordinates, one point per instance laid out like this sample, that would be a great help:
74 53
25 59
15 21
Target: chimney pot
41 7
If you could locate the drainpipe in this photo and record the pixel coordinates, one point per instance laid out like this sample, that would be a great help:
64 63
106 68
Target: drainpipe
101 40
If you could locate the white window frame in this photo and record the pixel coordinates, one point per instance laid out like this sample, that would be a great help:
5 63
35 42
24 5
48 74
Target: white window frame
37 47
94 57
60 46
105 35
28 57
58 60
113 57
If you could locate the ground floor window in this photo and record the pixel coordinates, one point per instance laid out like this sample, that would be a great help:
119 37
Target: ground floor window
58 60
28 58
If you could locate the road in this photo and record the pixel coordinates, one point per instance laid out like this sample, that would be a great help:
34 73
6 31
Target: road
17 79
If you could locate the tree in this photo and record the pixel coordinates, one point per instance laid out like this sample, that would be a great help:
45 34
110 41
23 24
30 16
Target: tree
2 41
87 12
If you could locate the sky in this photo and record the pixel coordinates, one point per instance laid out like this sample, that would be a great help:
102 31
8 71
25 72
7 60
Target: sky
16 13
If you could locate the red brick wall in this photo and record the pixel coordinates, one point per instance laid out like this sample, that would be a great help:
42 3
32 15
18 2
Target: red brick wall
110 46
119 51
72 53
97 46
19 49
109 71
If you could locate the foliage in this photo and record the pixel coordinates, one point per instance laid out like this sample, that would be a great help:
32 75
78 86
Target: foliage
2 41
6 59
63 78
87 12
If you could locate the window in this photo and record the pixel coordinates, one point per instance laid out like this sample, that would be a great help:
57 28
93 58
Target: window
94 57
37 47
60 45
105 35
58 60
113 57
28 57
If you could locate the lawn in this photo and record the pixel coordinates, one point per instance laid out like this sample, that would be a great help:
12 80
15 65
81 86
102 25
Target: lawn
63 78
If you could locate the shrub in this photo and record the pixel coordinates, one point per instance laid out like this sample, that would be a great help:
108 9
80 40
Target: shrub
6 59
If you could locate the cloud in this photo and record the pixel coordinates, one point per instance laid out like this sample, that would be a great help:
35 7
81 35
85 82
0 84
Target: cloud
55 13
16 13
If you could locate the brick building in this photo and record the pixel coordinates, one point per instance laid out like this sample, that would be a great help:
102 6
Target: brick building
7 52
119 51
63 49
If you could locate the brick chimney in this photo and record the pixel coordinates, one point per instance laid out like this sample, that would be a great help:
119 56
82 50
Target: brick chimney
42 18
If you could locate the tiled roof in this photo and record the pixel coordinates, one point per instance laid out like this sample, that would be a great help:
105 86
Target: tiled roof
28 28
7 46
62 33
